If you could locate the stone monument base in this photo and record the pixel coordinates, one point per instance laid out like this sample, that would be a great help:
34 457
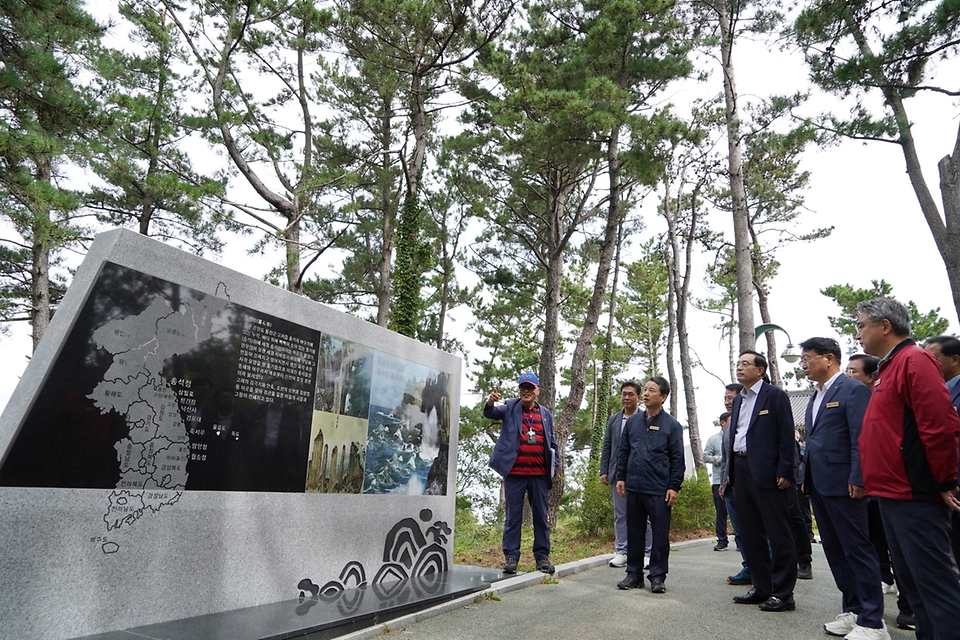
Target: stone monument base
319 616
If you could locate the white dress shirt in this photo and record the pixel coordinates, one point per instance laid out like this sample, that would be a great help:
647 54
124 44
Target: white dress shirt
746 410
818 397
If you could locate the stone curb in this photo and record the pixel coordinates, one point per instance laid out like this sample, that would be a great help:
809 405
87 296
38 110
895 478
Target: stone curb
498 588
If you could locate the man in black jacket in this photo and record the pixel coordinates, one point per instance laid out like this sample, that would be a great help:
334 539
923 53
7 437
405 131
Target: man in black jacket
649 474
762 452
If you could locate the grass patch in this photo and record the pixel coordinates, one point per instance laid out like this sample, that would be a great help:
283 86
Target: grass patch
480 544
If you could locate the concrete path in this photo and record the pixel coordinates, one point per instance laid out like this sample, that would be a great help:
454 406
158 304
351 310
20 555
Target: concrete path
585 603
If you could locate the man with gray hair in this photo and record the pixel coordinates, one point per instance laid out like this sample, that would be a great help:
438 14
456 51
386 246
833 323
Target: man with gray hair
909 455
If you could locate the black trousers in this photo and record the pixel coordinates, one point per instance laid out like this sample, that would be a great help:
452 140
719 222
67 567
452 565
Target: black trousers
918 534
797 524
765 526
853 562
955 536
720 505
640 507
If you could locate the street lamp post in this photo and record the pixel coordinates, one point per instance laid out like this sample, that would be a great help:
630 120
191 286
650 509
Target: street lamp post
790 354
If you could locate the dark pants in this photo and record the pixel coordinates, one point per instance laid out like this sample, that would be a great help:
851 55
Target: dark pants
721 508
730 502
804 503
879 539
514 488
851 555
955 536
798 525
641 506
765 527
919 537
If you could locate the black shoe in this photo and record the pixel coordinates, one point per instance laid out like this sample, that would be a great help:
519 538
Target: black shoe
631 581
906 621
804 571
721 546
510 566
774 603
544 564
656 585
751 597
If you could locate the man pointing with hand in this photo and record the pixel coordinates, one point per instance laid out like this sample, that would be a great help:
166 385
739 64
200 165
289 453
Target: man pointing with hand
525 455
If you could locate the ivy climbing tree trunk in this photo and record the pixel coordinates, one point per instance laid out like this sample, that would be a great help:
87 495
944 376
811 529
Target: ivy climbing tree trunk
408 269
413 257
604 387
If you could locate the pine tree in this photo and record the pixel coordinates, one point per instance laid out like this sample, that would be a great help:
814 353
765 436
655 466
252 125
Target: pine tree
46 119
149 181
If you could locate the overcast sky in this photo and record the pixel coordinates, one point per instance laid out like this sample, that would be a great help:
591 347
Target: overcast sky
860 189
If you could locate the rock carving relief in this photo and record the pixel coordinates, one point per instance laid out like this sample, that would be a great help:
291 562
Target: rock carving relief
409 551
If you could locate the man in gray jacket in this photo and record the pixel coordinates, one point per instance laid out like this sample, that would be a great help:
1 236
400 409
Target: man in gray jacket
713 454
630 399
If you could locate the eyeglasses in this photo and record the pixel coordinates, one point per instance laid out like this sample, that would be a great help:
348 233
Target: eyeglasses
527 387
746 363
806 359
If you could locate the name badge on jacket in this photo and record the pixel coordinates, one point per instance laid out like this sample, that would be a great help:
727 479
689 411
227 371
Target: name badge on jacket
653 427
832 405
764 412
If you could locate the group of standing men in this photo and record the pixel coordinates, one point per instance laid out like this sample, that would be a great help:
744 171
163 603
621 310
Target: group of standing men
898 443
644 464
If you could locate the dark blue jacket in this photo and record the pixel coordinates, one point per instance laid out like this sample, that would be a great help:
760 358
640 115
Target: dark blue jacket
833 450
651 454
771 444
508 443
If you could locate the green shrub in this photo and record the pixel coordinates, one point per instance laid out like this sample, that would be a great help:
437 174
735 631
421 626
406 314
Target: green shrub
595 511
693 510
469 533
694 507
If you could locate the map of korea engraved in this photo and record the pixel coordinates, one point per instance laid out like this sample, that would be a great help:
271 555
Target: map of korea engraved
153 457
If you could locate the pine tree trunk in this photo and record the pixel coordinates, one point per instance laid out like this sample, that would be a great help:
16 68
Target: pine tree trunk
40 262
741 236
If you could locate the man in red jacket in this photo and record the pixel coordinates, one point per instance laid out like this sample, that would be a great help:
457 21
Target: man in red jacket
908 451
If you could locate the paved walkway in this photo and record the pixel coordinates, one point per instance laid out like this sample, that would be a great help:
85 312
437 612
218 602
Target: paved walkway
585 603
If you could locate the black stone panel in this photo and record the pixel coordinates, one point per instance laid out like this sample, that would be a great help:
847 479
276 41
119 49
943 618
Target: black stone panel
312 616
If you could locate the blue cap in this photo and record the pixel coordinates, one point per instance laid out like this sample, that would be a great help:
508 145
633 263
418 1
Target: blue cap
528 378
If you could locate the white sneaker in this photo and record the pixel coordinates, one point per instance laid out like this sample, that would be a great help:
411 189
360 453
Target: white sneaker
866 633
844 624
619 560
888 588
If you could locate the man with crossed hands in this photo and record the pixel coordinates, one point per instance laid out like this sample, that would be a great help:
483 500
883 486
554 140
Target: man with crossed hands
834 483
